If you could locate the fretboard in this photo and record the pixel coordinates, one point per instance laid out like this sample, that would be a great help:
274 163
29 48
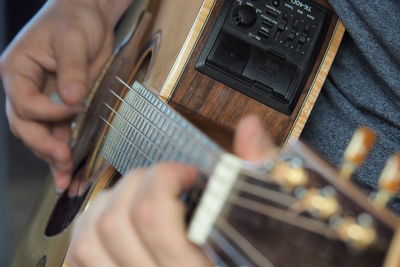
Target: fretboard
145 130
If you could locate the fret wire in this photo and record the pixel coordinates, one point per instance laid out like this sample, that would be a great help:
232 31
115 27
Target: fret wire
133 160
243 243
116 149
190 155
285 216
118 125
131 125
124 137
115 145
121 145
112 143
122 154
158 110
136 152
213 154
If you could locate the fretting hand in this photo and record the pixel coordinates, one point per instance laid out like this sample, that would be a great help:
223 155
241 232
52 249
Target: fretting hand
140 222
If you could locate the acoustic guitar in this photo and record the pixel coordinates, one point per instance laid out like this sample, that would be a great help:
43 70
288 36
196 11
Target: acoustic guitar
173 111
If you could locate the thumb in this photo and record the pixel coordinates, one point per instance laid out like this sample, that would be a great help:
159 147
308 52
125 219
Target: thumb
72 67
251 141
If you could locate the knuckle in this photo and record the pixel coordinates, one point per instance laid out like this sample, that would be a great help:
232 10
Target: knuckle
164 168
69 31
136 172
108 223
20 109
144 213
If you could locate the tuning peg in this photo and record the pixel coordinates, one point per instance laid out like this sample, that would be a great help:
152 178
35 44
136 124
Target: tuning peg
358 149
289 174
389 182
357 232
321 203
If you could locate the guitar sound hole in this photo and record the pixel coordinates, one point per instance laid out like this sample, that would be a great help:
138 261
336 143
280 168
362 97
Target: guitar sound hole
69 203
64 212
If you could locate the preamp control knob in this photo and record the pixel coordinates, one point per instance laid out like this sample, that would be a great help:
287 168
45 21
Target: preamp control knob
245 16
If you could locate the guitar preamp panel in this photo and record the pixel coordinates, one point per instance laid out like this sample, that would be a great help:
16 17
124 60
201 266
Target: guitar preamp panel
265 48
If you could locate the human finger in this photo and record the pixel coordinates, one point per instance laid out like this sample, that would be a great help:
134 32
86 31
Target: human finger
29 103
37 136
251 141
61 178
86 249
71 52
158 216
115 229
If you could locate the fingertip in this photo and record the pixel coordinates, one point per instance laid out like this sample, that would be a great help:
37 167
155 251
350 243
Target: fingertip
61 152
252 122
251 141
189 175
61 179
73 94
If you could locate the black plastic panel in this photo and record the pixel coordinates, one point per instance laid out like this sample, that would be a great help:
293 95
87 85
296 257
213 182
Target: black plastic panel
265 49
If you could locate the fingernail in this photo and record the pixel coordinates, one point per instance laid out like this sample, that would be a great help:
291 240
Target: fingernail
73 94
56 99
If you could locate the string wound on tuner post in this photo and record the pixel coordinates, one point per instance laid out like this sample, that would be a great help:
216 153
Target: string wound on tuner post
357 151
389 181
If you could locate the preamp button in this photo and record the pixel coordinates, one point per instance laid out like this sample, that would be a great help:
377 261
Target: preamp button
245 16
276 3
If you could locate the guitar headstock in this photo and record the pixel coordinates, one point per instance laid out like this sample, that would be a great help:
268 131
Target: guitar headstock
297 210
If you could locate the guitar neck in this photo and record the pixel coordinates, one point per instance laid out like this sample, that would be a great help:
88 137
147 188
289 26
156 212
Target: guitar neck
144 130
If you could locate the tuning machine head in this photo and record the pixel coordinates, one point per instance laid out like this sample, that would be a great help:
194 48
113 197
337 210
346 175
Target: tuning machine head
358 232
357 150
289 174
321 203
389 181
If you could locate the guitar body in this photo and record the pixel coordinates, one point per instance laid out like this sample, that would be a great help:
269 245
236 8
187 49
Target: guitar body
161 54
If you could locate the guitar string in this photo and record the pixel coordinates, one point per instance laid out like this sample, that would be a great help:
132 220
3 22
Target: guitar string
160 112
286 216
163 155
253 253
131 126
261 208
113 111
243 185
176 145
238 258
124 137
215 153
141 151
268 194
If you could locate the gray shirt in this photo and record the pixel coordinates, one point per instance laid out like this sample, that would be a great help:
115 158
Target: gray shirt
362 88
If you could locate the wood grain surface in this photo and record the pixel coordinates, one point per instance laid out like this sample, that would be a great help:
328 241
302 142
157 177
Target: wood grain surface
201 98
